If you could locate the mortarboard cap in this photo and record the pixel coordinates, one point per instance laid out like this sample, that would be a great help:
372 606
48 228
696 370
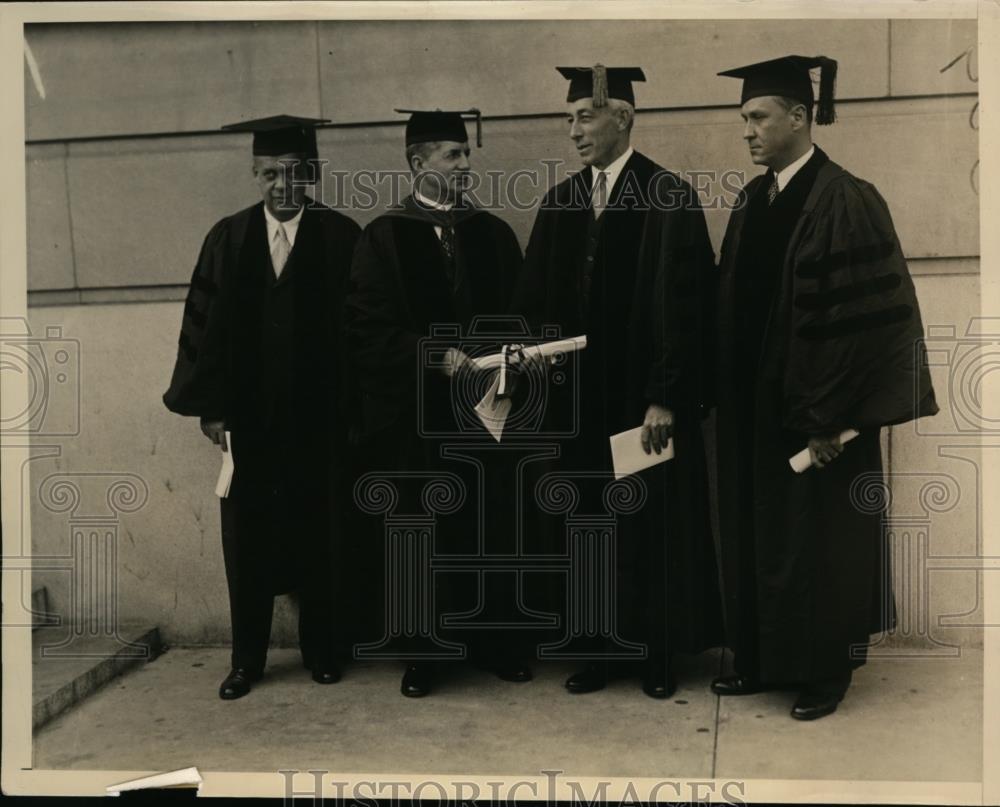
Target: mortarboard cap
430 126
601 83
789 76
281 134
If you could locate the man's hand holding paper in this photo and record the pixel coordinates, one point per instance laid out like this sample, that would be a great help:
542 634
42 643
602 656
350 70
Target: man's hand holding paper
509 363
521 364
823 450
657 428
215 430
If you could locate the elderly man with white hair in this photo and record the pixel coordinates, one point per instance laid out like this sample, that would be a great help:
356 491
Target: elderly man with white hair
620 252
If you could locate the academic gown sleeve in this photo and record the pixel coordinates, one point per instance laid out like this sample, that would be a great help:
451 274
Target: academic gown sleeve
678 266
381 346
197 386
529 297
511 261
855 355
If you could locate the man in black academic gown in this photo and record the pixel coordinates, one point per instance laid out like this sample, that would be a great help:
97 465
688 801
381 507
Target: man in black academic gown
620 252
433 260
819 332
259 360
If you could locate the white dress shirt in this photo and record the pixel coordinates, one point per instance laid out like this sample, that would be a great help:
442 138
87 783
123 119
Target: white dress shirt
612 172
784 176
435 205
291 226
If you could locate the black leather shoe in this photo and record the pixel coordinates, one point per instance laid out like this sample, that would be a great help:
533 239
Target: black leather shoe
814 705
237 684
327 674
592 678
658 680
820 698
514 671
416 681
737 685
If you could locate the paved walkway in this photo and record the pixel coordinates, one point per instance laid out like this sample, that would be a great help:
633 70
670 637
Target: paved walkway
902 720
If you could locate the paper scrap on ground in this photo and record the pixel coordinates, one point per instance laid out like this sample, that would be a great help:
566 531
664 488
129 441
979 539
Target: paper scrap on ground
802 462
493 411
185 777
226 472
627 455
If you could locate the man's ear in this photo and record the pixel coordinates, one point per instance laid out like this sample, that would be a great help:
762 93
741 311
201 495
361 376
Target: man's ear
621 118
624 119
799 116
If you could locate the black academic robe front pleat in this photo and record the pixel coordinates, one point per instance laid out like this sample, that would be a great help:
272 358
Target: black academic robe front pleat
263 354
642 302
809 345
400 292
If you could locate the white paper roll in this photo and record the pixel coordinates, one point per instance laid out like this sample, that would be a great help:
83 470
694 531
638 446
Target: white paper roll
802 462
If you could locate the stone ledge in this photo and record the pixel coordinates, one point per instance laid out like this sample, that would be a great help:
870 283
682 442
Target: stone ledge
66 672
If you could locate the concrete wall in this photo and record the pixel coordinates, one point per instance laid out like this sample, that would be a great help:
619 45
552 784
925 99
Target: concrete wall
126 172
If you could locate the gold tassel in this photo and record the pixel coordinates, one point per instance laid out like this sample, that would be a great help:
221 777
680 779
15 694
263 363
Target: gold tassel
600 86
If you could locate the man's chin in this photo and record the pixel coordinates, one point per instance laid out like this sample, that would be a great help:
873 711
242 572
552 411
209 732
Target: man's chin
283 208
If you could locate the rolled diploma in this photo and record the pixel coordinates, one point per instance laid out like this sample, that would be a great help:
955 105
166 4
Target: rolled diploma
802 462
546 350
226 472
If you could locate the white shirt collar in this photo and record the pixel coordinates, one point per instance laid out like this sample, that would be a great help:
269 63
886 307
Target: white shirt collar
612 170
428 203
784 176
291 226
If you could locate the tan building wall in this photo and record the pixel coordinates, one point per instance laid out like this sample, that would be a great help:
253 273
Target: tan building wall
127 171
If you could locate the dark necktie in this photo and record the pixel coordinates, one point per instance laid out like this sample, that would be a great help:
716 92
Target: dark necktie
773 190
448 248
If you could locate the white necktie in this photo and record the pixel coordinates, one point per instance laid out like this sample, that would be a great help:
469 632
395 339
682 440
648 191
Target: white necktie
598 199
280 250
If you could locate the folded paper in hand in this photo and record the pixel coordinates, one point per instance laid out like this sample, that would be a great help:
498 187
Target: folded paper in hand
226 472
627 455
493 410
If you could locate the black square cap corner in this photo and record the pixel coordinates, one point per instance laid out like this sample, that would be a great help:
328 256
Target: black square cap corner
600 83
280 134
789 77
434 125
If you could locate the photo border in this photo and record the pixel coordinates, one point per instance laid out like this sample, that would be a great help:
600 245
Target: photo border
17 775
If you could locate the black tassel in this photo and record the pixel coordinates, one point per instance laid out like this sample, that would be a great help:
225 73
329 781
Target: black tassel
479 126
825 113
